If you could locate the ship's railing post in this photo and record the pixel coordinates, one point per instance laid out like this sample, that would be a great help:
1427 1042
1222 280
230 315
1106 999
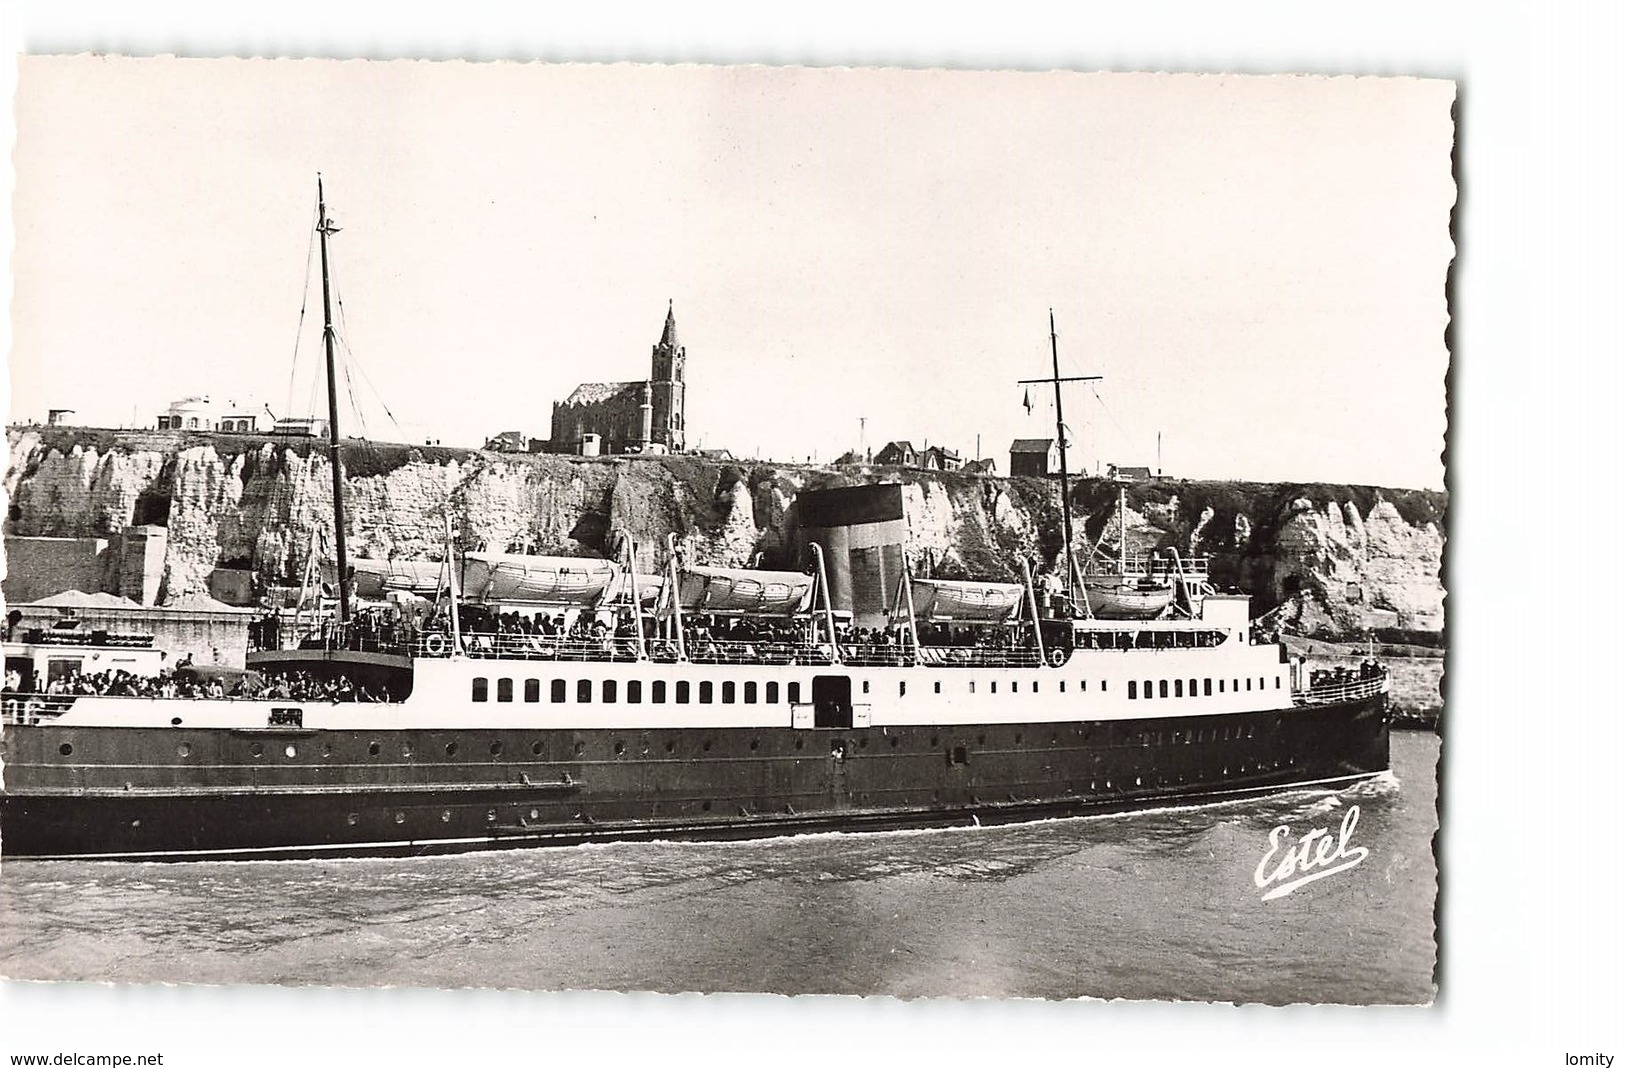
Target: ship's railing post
906 593
637 592
676 595
829 611
1032 603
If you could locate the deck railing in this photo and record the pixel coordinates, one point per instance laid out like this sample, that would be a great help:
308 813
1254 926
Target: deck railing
1330 693
529 647
976 656
27 709
702 650
1195 567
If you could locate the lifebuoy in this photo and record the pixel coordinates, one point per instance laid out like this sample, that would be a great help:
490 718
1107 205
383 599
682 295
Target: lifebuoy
435 645
1057 657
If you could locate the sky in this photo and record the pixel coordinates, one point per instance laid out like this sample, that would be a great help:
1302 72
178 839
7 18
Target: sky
1255 265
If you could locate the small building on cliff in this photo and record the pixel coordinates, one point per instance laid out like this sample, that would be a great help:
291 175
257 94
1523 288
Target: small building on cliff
897 454
929 458
1120 473
627 417
201 413
1034 457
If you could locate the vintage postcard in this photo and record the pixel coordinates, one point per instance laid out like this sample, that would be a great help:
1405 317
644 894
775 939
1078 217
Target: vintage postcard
726 528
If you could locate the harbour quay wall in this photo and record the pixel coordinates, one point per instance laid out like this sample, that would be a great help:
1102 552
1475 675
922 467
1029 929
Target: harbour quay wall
1330 560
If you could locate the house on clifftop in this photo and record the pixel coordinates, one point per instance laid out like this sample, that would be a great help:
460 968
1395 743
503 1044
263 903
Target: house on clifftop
1034 457
622 417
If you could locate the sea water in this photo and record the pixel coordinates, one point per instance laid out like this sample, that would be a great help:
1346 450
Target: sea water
1150 905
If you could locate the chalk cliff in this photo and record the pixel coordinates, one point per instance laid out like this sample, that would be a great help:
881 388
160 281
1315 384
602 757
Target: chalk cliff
1336 558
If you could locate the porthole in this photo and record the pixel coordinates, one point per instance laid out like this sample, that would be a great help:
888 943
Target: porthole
400 817
352 819
981 739
406 750
496 748
327 749
175 722
445 815
671 747
581 747
1018 737
935 741
755 744
535 748
863 743
706 807
706 745
257 749
894 743
620 747
799 742
184 749
291 751
490 815
451 748
372 748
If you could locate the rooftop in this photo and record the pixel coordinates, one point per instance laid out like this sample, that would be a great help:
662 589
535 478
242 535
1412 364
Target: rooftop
594 392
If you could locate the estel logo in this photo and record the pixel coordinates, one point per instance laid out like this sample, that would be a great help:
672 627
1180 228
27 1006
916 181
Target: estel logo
1315 856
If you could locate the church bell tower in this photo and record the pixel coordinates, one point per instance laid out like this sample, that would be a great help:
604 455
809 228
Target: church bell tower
666 369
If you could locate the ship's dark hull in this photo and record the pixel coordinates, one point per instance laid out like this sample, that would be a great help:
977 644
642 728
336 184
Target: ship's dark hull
169 794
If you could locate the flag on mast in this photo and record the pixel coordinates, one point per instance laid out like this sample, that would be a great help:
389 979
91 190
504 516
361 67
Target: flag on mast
1027 400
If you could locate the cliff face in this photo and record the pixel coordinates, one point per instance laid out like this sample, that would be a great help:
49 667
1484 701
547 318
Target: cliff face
1338 558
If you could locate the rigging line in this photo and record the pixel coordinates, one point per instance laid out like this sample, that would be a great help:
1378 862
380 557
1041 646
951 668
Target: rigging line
310 401
1113 417
342 328
350 396
304 301
367 379
356 362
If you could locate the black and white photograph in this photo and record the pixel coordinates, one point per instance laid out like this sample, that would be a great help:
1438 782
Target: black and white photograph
729 528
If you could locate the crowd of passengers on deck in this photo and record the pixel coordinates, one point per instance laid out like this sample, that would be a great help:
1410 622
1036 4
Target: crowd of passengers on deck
488 631
181 683
1340 676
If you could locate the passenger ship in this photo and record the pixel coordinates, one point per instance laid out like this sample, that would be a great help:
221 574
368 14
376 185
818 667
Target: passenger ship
509 740
978 704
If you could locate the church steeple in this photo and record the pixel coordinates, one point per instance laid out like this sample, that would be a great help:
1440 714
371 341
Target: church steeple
668 336
666 388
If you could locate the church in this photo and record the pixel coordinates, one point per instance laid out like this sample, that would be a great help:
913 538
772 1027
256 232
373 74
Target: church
623 417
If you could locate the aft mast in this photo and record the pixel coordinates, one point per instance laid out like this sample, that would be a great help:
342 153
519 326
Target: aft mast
1060 439
325 227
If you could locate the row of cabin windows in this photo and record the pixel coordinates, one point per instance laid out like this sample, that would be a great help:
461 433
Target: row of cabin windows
610 691
682 692
1183 689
